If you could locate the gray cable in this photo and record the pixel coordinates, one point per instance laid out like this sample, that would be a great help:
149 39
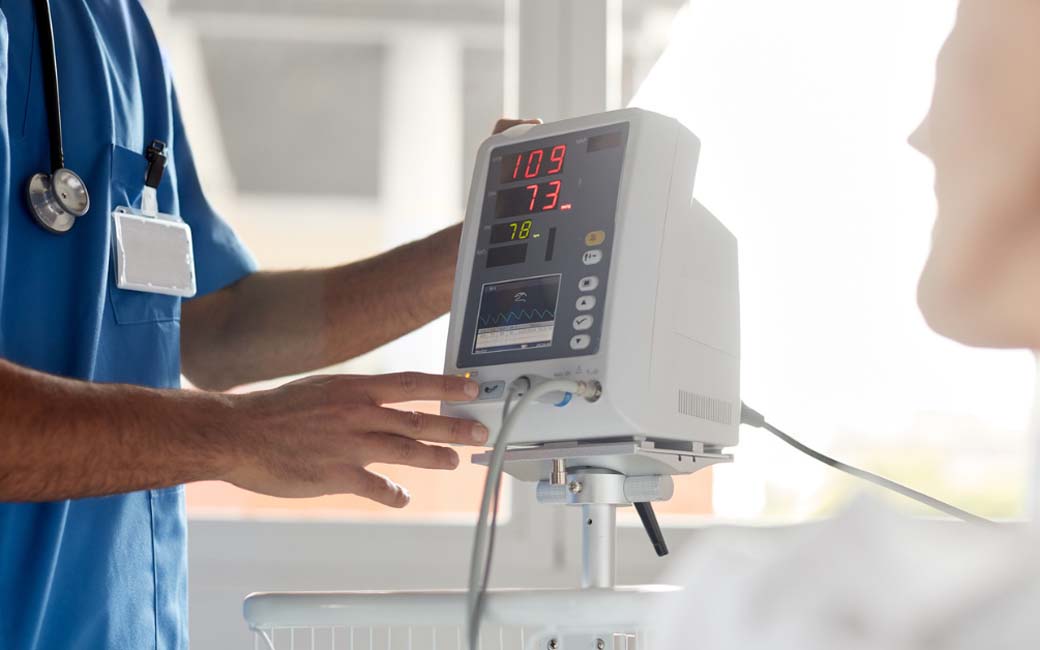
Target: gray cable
481 556
475 592
753 418
480 599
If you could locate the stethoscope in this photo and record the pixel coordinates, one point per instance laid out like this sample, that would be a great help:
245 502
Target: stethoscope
56 199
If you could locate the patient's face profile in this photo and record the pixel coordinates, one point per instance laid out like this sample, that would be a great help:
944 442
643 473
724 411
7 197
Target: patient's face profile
981 284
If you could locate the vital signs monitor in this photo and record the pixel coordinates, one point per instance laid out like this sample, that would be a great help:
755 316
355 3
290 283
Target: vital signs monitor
584 256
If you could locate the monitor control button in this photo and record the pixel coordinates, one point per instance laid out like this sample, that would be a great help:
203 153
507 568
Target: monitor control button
595 238
580 341
590 257
589 283
583 322
585 303
492 389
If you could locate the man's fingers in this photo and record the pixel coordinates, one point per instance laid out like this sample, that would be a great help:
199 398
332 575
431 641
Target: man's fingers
506 123
423 426
409 386
398 450
377 487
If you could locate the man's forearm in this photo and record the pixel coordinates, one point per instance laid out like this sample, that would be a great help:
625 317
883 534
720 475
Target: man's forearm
281 323
64 439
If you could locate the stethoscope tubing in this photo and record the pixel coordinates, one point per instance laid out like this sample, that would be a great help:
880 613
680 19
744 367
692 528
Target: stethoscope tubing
49 58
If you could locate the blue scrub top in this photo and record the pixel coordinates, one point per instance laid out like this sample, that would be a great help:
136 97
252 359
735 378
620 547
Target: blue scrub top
105 572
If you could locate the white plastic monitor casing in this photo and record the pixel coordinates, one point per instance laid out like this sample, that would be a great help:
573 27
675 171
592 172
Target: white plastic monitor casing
669 353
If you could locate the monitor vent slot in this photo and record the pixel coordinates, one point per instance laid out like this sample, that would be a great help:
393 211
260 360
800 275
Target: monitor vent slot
705 408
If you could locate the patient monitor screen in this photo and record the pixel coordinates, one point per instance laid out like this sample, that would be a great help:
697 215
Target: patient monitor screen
543 250
517 314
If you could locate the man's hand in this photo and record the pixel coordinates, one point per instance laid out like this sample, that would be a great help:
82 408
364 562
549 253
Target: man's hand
505 123
67 439
316 436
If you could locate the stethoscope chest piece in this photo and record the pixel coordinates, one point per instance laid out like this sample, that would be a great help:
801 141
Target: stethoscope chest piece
58 199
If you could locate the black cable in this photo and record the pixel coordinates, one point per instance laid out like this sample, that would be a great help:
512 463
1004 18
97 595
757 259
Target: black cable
751 417
49 59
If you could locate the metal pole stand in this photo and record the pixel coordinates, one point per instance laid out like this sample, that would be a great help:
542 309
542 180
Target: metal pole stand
599 492
599 476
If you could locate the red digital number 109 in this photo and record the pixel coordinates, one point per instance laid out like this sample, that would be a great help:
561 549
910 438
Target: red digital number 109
529 165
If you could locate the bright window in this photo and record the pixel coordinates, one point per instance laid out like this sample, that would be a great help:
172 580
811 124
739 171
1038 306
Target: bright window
367 142
803 109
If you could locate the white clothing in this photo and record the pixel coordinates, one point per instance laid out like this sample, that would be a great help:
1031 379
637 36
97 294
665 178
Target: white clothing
870 578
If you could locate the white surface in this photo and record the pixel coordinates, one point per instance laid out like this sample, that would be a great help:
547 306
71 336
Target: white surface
1033 496
564 607
431 619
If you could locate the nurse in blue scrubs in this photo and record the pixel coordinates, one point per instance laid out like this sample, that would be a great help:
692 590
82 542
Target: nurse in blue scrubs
96 437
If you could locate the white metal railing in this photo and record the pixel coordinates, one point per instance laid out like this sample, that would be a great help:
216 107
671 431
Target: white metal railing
520 619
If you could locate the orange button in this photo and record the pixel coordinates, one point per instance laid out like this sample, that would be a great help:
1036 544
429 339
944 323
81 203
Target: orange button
595 238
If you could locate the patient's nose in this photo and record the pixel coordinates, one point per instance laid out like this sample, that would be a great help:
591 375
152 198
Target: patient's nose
919 138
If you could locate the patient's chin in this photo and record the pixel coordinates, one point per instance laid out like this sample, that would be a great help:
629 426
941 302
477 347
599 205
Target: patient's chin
970 310
942 319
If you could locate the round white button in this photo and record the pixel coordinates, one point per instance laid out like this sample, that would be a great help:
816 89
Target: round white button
585 303
592 257
583 322
580 341
588 283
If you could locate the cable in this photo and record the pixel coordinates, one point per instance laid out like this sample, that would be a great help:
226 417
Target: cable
483 539
476 592
751 417
479 600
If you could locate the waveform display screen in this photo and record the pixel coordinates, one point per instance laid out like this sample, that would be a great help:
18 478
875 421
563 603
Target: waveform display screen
517 314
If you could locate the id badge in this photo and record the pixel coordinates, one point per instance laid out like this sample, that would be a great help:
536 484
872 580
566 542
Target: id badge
153 253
